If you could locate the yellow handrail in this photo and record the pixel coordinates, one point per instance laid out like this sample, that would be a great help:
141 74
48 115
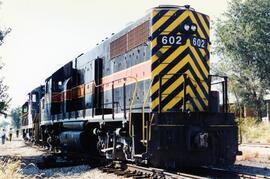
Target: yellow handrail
151 120
131 104
143 117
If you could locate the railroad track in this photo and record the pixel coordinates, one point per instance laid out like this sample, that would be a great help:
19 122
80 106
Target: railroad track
255 145
131 170
229 173
134 171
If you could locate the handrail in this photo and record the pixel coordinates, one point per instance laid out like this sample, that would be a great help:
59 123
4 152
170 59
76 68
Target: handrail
130 108
144 103
224 84
150 131
132 101
123 78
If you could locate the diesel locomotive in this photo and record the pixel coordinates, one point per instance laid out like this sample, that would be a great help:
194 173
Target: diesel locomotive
143 95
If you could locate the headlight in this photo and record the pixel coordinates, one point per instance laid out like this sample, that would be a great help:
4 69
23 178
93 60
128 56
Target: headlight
186 27
193 27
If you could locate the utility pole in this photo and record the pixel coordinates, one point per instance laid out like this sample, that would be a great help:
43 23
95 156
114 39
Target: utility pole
267 100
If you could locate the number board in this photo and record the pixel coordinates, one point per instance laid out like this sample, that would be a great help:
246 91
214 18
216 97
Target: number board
170 40
198 42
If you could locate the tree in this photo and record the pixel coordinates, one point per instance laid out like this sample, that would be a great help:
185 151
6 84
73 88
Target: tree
4 98
16 117
3 124
3 33
243 43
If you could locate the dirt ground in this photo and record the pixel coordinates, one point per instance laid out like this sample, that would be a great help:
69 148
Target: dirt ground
17 148
262 150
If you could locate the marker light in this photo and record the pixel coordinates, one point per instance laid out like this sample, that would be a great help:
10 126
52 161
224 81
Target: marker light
186 27
193 27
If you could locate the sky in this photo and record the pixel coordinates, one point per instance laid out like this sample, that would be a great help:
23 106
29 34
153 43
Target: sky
46 34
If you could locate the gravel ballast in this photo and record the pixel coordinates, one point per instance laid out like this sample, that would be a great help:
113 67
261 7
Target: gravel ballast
28 156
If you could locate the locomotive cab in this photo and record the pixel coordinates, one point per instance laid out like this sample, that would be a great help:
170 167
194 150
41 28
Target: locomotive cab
31 115
24 118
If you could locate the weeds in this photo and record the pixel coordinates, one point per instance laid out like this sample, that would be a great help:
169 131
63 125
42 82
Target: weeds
10 169
255 132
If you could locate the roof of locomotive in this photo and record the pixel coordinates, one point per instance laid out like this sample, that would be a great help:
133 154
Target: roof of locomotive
38 89
25 103
176 7
98 51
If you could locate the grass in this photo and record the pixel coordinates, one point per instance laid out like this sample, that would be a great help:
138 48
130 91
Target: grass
255 132
247 155
10 169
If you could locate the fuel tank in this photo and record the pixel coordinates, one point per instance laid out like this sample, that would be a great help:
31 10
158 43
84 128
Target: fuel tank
74 141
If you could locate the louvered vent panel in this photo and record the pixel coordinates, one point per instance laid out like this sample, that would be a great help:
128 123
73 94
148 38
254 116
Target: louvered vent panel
138 36
118 46
134 38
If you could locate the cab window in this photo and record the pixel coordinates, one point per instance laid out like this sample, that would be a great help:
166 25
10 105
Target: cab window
25 109
34 98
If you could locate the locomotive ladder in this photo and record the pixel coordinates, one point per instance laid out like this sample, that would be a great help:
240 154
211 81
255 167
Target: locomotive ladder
145 126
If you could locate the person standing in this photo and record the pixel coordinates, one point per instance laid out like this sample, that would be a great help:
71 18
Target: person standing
10 134
3 135
17 133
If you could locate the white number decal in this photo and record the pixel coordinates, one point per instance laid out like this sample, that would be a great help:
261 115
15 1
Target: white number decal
164 40
171 40
203 42
196 42
178 40
199 42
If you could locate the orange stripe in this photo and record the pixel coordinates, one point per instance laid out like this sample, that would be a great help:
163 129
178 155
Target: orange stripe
68 94
74 93
24 114
78 91
141 72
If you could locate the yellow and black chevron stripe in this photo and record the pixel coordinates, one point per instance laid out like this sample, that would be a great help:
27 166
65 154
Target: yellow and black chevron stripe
170 63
